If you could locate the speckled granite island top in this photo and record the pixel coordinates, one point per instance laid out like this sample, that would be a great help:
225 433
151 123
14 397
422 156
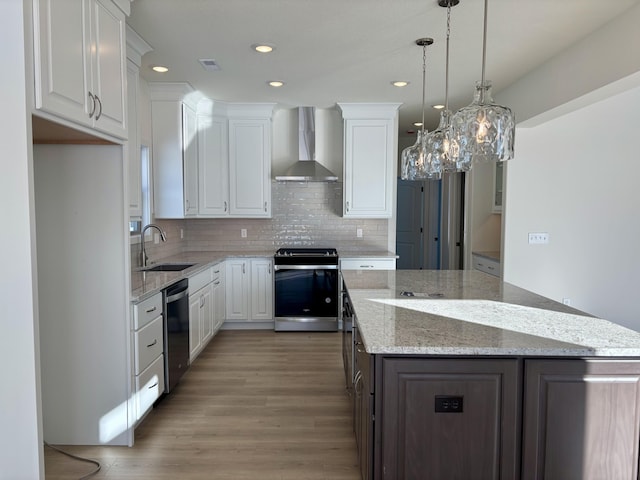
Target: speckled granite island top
472 313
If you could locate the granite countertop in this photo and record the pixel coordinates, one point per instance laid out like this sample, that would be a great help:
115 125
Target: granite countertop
468 312
146 284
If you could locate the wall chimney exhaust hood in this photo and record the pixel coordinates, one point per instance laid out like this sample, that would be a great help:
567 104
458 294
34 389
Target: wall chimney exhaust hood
306 169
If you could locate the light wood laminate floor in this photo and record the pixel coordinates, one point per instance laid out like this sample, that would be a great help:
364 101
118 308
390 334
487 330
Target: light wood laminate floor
255 405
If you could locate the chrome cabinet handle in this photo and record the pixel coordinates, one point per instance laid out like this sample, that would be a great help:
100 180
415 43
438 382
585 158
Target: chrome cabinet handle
269 269
366 266
225 206
243 268
152 310
155 340
265 206
153 386
93 102
217 283
100 104
347 205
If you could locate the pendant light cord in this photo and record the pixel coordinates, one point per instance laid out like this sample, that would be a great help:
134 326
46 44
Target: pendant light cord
446 80
424 77
484 50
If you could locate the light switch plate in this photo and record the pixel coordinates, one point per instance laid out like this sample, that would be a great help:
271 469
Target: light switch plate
538 238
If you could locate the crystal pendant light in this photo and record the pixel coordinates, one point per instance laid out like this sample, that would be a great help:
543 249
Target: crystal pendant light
483 131
415 164
439 148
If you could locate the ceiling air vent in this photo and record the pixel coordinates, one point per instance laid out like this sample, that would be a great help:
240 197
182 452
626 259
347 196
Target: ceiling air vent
209 64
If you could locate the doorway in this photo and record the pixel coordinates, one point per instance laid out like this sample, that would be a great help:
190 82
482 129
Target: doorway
430 223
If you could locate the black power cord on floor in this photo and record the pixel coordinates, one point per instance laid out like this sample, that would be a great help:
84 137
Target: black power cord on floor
76 457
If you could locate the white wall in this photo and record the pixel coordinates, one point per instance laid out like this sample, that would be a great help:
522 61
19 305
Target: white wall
576 177
20 432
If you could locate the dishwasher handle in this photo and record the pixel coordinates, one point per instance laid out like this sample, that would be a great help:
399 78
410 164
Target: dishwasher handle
173 295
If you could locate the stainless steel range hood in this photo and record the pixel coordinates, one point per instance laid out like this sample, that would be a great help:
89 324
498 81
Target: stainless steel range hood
306 169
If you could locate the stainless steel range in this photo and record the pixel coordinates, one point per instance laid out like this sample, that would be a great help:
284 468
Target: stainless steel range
306 289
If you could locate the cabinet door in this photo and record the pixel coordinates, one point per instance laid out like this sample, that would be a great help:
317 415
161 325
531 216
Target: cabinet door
218 298
480 441
369 160
206 314
581 419
250 167
168 184
261 289
195 335
108 67
237 289
62 58
213 166
133 147
190 160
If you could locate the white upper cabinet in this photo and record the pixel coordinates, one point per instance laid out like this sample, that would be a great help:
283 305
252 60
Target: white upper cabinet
250 167
80 63
235 160
175 150
213 167
370 159
136 47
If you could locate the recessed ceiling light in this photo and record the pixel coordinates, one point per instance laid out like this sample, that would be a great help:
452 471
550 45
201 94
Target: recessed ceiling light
417 124
276 83
399 83
438 107
263 47
159 69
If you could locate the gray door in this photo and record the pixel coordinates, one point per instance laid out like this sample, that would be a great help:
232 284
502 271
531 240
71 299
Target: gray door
430 223
409 230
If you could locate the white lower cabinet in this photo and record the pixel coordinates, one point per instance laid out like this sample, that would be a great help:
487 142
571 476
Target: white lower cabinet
367 263
200 312
148 357
486 265
218 290
249 289
149 386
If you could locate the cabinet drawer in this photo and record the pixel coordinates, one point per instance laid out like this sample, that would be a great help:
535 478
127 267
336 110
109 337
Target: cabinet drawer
149 386
199 280
217 271
146 311
148 344
368 264
486 265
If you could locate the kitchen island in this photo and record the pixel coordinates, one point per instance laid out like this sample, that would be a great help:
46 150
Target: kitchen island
457 374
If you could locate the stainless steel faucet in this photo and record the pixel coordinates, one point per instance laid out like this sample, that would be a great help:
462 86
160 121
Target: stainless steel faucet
143 253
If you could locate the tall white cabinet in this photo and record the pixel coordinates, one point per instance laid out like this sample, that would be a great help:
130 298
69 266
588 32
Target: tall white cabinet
370 159
80 63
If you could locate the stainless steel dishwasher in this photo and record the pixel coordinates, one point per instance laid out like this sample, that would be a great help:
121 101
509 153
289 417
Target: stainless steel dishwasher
176 333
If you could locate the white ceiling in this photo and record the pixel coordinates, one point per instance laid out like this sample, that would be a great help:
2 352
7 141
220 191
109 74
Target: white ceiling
330 51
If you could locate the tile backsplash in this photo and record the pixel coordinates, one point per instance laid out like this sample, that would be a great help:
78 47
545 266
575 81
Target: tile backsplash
303 214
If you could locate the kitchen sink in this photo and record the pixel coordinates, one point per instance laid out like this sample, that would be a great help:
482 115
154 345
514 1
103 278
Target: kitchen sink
169 267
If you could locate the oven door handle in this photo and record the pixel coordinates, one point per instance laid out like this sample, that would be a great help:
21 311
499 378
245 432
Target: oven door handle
305 267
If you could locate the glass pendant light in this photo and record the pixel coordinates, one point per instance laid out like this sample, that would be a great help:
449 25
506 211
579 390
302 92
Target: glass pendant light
483 131
415 165
438 144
